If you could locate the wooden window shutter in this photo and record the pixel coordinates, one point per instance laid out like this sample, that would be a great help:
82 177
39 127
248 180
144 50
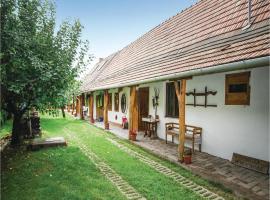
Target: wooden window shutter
237 89
110 102
171 101
116 102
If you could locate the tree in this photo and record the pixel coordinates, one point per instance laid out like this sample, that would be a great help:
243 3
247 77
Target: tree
67 97
38 63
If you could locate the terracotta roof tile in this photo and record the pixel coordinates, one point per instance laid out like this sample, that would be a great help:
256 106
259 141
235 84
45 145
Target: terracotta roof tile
207 34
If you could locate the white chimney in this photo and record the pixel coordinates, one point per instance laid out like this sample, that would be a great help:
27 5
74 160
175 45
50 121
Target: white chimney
249 15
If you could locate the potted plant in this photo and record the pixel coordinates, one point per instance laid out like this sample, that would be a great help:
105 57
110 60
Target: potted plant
187 156
132 136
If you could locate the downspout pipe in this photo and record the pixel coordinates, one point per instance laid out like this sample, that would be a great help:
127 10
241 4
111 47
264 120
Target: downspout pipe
239 65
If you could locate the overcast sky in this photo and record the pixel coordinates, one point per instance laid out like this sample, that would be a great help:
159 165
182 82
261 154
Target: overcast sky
110 25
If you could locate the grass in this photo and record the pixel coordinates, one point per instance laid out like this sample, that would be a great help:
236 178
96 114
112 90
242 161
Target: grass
66 173
6 128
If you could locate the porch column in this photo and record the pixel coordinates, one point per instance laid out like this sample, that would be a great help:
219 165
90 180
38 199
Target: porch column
91 108
77 107
133 112
72 104
105 113
181 96
81 106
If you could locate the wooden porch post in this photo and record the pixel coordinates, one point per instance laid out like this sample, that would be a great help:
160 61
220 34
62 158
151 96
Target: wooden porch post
105 113
68 107
91 107
77 107
181 96
72 104
133 112
81 106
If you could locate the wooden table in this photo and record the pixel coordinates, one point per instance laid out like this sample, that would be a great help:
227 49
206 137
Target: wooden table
150 126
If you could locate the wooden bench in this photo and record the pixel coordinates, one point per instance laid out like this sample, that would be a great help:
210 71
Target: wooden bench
193 133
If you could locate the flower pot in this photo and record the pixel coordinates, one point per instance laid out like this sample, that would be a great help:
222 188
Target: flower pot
132 136
187 159
107 125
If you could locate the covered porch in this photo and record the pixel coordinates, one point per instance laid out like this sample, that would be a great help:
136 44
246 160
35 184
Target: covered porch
244 182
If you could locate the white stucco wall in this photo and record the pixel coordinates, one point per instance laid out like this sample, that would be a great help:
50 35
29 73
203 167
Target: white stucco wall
233 128
226 128
112 114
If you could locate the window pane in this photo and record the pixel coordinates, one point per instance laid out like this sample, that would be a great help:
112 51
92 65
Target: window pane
171 101
237 88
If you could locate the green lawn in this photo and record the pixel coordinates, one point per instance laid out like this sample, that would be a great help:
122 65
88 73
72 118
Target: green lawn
6 128
66 173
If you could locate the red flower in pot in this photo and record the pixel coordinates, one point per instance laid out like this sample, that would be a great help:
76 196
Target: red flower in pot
187 156
132 135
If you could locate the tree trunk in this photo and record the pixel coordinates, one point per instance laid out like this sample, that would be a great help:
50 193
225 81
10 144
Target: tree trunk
63 111
17 130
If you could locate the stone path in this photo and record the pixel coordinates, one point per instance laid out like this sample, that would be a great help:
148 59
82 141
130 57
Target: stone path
243 182
201 191
127 190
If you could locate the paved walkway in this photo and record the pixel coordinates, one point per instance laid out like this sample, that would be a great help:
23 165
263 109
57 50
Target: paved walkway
243 182
199 190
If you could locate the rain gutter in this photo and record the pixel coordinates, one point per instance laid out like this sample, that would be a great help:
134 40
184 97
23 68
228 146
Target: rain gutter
239 65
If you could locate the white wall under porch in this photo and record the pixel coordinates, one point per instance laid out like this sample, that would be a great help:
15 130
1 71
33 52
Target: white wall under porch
116 116
226 128
233 128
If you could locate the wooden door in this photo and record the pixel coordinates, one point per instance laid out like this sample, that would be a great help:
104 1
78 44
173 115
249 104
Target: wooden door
99 106
143 104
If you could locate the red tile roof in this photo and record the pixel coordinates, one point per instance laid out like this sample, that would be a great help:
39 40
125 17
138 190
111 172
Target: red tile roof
207 34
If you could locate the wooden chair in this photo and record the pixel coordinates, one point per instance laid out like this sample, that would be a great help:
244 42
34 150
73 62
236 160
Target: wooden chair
193 133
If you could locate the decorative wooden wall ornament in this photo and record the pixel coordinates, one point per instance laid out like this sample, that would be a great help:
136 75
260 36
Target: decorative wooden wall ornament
155 102
133 112
202 94
105 114
91 108
181 96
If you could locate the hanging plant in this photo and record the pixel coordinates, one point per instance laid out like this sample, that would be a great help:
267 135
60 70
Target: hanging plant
123 103
100 101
